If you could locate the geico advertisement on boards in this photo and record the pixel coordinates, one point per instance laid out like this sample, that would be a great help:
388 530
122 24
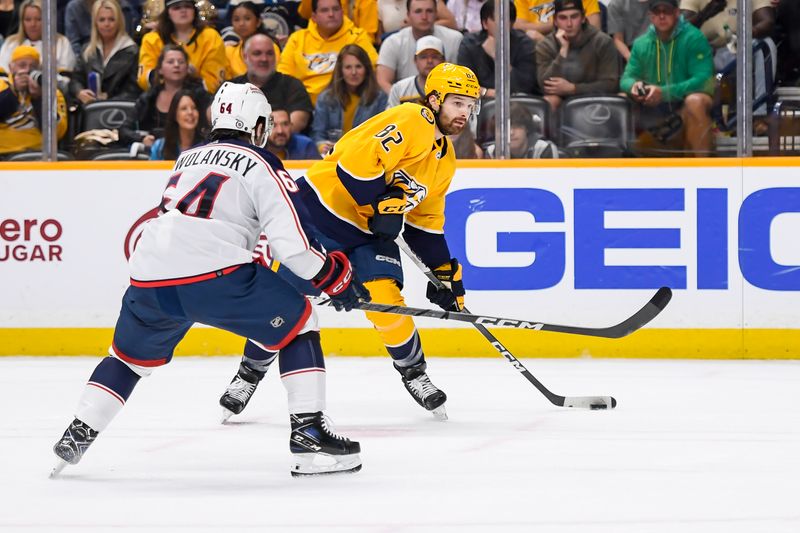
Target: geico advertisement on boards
557 244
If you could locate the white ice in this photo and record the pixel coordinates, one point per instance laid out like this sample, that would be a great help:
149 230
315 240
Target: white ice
693 446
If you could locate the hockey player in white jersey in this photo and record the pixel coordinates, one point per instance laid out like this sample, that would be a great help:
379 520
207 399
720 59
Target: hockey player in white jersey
193 263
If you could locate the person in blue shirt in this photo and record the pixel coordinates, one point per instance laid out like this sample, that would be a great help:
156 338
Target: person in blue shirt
287 145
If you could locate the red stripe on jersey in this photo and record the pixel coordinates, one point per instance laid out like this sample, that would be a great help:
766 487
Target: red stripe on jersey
137 362
303 371
184 281
111 392
285 197
295 330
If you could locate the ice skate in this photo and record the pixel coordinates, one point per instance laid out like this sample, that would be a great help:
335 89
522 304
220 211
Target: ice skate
70 449
419 385
318 450
241 389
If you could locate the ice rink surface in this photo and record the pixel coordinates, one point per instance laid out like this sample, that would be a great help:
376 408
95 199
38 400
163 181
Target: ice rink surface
700 446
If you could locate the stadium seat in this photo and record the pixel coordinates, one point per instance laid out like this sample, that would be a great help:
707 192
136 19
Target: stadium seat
37 156
538 107
596 126
106 114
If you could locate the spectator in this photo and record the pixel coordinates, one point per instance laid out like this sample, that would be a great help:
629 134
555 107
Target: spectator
627 20
525 141
245 22
172 75
578 59
110 54
670 75
78 23
310 54
363 13
430 52
535 17
180 24
285 92
9 17
351 98
30 34
186 127
467 14
477 52
286 144
21 104
393 16
396 60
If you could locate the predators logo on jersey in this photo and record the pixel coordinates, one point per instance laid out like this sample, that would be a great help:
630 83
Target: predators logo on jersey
415 192
320 63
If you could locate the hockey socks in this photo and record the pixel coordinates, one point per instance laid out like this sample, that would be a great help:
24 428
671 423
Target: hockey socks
303 373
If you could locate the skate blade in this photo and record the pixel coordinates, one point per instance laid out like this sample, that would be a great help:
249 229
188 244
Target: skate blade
58 468
440 413
318 464
226 414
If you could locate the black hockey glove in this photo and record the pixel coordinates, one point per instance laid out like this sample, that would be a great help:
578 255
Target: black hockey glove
387 222
451 297
335 279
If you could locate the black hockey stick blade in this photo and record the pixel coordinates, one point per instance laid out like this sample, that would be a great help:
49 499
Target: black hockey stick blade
628 326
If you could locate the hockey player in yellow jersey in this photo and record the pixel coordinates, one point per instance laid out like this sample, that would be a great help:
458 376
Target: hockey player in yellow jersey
385 177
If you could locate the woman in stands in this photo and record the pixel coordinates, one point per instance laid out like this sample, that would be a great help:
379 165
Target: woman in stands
245 22
171 75
106 68
180 24
352 97
186 127
30 34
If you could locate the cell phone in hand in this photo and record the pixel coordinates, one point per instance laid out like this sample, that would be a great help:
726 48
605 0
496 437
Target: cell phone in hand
93 82
641 90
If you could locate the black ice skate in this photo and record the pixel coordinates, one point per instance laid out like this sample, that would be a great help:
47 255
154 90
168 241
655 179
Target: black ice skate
318 450
242 387
70 449
419 385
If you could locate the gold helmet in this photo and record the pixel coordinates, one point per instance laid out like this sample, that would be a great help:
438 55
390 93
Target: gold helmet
447 78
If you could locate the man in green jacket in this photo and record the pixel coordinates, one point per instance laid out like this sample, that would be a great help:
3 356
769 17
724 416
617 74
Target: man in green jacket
671 75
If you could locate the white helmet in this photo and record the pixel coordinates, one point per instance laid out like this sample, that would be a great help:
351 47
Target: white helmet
238 107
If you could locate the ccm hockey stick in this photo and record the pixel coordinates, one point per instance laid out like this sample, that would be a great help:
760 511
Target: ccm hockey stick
636 321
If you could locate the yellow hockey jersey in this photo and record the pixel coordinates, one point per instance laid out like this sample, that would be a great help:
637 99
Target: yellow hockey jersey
19 127
206 53
394 148
363 13
310 58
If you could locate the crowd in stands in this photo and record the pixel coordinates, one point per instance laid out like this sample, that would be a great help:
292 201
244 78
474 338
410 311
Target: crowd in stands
328 65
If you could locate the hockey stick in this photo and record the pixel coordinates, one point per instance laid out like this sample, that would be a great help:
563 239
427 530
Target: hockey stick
636 321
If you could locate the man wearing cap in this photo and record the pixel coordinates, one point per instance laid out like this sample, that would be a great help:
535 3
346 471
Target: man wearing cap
396 59
430 52
670 75
536 16
577 59
21 104
477 52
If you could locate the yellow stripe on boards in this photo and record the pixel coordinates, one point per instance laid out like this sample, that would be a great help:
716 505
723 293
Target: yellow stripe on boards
461 342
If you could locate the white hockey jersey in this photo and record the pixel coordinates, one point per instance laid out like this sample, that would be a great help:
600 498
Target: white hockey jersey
218 200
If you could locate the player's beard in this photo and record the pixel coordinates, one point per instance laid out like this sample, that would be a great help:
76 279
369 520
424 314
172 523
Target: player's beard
447 125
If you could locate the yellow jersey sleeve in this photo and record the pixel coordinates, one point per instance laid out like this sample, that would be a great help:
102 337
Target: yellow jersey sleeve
394 139
63 117
207 54
148 58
